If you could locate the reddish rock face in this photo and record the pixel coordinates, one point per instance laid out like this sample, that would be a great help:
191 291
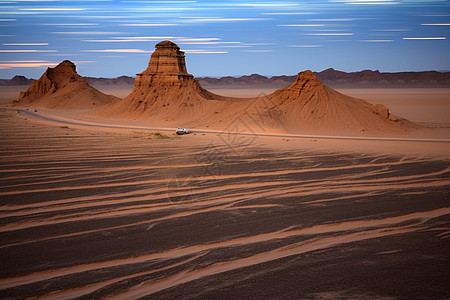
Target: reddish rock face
62 87
167 66
167 60
51 81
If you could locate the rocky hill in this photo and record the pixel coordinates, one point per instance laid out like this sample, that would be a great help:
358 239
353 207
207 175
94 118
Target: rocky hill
61 87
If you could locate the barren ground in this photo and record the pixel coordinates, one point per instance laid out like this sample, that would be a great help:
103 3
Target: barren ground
126 213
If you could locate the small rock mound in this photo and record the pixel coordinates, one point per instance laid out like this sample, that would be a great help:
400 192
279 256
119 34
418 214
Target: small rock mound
61 87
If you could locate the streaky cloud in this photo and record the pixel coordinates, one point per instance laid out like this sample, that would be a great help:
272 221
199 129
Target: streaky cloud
118 51
305 46
376 41
27 51
424 38
301 25
204 52
149 24
85 32
25 44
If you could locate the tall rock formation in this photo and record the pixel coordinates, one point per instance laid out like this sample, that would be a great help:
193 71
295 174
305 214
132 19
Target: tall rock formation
165 91
61 87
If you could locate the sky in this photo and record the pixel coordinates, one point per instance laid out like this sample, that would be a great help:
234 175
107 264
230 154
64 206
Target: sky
110 38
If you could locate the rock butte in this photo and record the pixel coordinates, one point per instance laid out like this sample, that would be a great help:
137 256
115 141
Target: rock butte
167 63
61 87
164 91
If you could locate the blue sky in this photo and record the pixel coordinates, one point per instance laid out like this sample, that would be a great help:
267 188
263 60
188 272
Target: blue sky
111 38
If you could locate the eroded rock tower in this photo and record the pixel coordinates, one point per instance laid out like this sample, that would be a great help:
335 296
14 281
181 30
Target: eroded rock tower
167 65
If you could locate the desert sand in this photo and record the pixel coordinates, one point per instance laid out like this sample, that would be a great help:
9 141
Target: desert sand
94 206
127 214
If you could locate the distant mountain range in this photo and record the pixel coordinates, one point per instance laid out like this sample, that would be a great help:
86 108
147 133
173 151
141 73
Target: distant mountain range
331 77
122 80
334 78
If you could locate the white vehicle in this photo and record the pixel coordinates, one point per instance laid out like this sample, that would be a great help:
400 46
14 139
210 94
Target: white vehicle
181 131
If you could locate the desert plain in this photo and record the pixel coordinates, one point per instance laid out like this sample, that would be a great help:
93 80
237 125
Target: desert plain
93 212
122 208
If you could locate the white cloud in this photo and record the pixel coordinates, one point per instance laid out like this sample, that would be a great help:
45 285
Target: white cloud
204 52
438 24
85 32
424 38
330 34
259 44
144 38
289 13
376 41
371 3
268 4
52 9
302 25
27 51
437 15
393 30
118 51
149 24
23 61
159 9
233 46
219 19
160 2
333 20
69 24
179 40
21 12
259 51
197 39
305 46
57 1
111 41
207 43
26 64
367 2
25 44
